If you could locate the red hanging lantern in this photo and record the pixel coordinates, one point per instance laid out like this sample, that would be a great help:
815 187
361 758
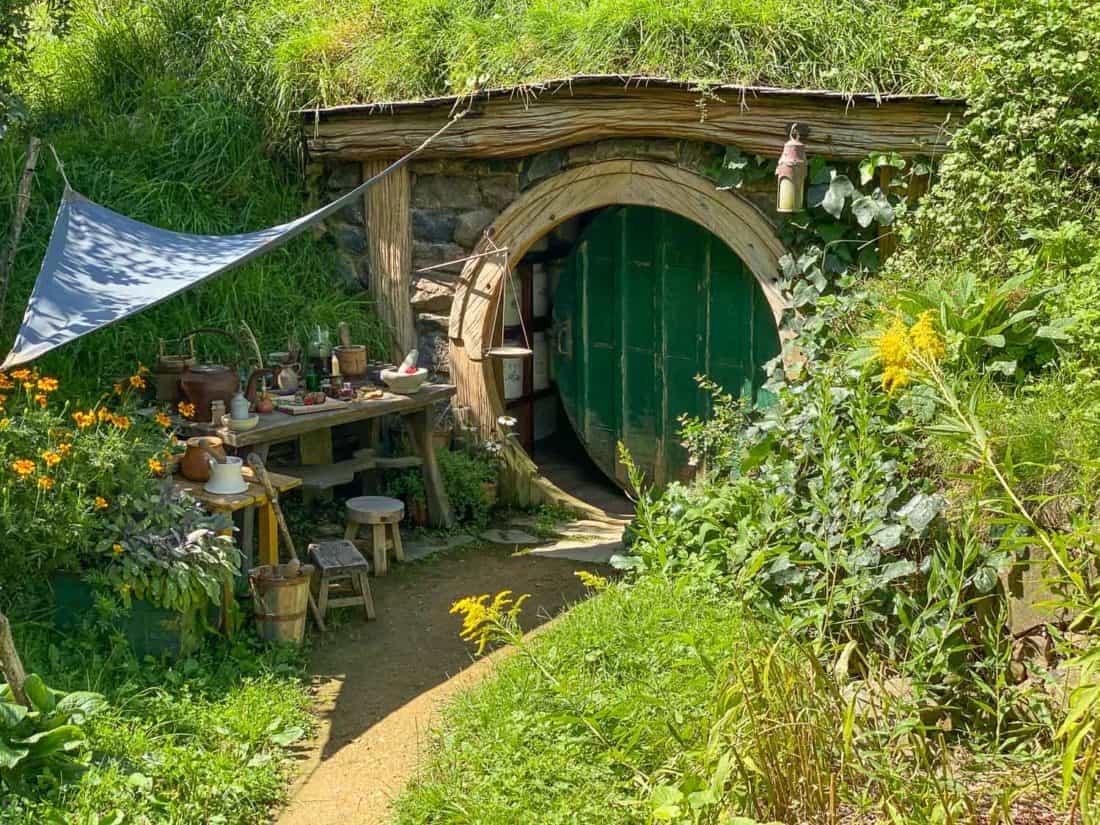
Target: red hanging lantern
791 175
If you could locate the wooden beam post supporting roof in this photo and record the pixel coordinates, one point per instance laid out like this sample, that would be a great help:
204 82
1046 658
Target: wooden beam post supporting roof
389 250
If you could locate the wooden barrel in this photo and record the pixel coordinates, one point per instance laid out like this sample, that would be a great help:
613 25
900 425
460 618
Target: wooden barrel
280 603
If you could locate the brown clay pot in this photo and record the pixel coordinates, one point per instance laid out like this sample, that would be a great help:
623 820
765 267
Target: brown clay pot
206 383
195 464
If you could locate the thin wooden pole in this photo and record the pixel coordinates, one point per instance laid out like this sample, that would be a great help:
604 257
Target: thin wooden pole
22 203
11 664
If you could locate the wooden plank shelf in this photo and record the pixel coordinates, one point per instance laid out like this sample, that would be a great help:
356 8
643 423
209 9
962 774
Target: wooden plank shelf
327 476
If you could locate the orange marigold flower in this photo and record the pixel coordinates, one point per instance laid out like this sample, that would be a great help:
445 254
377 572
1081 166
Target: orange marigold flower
51 458
45 483
142 369
137 382
117 549
41 400
64 449
23 467
163 419
5 423
118 389
121 421
3 400
101 503
28 385
155 466
48 384
21 374
104 414
84 420
186 410
5 382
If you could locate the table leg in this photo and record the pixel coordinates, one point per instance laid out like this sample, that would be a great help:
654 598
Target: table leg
439 506
248 517
227 599
269 534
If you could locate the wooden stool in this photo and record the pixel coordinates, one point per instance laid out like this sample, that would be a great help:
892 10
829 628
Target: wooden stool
337 560
379 512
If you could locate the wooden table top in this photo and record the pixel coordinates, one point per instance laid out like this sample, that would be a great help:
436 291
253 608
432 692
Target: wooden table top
255 495
280 426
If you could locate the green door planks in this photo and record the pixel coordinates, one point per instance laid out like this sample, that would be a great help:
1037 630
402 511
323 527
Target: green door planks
647 301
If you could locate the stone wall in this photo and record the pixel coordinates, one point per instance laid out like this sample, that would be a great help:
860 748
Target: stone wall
454 201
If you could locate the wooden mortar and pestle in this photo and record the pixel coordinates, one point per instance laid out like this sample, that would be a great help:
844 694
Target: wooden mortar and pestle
351 357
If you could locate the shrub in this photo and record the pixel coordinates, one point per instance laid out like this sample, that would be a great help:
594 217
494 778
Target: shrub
67 472
464 479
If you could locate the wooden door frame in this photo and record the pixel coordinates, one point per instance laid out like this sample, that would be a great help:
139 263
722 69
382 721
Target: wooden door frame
729 216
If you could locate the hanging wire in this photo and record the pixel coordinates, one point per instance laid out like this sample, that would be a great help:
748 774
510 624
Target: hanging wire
515 294
60 166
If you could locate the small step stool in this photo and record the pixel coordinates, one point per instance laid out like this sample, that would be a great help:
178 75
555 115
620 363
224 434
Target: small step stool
336 561
380 512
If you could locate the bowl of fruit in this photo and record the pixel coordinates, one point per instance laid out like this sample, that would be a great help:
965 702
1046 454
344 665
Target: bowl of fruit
405 380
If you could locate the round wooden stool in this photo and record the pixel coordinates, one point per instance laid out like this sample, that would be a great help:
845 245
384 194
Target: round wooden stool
380 513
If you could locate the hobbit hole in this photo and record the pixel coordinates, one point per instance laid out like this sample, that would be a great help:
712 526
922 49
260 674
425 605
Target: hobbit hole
586 175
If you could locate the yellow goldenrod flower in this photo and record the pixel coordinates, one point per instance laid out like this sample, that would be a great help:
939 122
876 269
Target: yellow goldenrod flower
894 378
155 466
121 421
926 341
23 467
163 419
101 503
45 483
483 622
48 384
597 583
186 410
51 458
137 382
894 344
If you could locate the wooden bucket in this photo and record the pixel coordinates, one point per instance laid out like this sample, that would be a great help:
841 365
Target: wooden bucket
353 360
280 603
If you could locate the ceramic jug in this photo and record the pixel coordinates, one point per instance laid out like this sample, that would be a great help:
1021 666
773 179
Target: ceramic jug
226 478
238 407
195 465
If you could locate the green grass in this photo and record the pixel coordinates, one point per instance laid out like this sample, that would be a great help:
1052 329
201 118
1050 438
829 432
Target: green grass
666 701
182 742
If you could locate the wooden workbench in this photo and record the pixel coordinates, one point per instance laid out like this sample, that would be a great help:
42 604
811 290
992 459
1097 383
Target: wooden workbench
313 431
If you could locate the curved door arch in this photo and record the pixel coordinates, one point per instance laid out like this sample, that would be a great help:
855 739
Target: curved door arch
648 300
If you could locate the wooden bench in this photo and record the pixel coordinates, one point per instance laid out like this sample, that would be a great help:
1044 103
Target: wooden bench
335 562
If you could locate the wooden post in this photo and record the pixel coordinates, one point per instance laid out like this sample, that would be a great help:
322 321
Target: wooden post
439 506
22 203
11 664
389 250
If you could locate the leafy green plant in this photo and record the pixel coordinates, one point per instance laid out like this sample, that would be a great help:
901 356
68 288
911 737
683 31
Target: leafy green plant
464 478
407 485
42 745
172 554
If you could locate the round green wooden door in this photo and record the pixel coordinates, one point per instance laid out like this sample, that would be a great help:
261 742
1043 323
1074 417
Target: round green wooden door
647 301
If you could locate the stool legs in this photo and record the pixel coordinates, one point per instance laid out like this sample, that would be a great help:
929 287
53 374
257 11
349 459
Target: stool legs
361 584
379 536
398 550
322 597
351 531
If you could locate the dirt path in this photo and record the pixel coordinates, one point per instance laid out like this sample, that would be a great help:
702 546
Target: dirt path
379 685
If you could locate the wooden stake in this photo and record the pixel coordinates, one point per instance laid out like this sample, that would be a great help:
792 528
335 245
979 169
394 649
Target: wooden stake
22 203
11 664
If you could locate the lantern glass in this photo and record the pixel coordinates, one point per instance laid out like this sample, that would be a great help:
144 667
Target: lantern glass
790 197
790 175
